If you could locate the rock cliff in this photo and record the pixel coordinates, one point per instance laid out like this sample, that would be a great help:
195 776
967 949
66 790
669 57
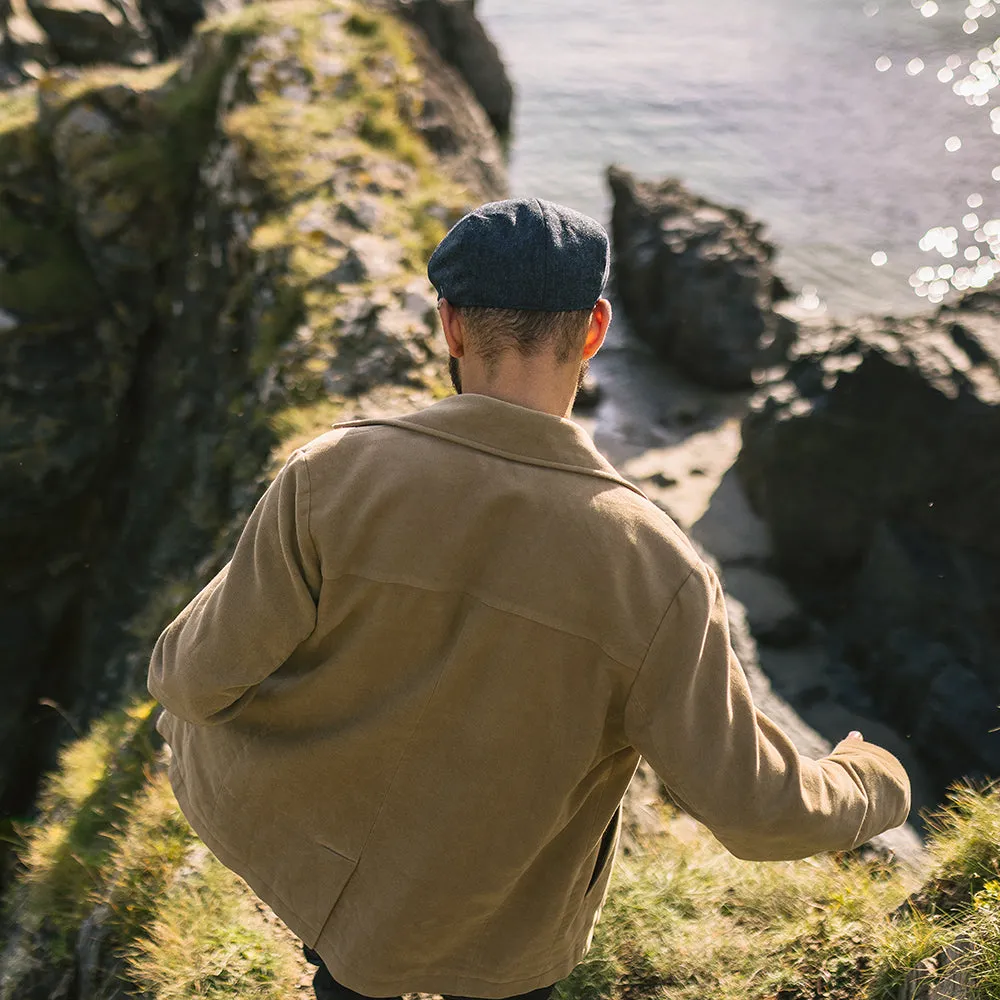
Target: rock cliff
197 257
458 36
875 461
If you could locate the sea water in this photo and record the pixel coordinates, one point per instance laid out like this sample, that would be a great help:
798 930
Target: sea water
859 133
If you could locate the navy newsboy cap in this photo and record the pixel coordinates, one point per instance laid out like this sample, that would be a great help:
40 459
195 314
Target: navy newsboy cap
522 253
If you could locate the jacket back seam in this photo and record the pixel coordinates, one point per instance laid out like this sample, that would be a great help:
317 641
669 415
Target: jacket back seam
463 592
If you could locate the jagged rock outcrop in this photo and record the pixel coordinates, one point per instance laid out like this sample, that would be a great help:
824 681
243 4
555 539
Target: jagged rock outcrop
875 462
186 251
696 281
459 37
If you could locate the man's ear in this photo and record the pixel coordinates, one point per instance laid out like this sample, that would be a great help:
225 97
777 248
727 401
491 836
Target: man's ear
451 323
600 320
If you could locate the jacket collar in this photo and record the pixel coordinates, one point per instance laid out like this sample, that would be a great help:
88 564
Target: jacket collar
509 431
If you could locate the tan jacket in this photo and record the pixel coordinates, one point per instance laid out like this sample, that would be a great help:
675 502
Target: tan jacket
407 711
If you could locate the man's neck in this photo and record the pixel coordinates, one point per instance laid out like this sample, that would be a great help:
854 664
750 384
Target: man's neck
530 385
558 407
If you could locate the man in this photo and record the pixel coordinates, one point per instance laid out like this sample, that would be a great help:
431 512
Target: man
408 709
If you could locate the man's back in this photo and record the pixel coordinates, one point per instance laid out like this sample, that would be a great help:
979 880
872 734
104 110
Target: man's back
454 720
435 662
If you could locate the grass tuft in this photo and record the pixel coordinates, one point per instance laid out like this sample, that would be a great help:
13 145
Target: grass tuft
685 917
81 805
210 941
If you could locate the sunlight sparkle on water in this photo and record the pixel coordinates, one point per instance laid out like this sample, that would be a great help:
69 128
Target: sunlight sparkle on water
808 299
979 263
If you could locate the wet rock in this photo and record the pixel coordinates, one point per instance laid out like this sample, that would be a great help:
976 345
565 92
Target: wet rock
458 36
903 843
696 281
875 462
775 617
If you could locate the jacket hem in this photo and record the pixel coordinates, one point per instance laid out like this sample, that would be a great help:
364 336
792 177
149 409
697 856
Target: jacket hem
444 981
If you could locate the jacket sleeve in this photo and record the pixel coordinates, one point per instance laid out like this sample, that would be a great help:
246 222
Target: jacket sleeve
691 715
208 662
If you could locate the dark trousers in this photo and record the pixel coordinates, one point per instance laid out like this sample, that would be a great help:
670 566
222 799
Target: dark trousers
327 988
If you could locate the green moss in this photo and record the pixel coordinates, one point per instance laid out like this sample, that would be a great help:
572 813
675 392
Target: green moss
275 326
303 423
64 90
18 109
364 24
51 261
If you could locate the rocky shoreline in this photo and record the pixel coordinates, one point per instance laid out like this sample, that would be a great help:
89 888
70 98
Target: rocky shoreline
851 492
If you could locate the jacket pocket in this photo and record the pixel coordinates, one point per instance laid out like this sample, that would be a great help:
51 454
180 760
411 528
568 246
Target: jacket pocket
605 852
332 873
